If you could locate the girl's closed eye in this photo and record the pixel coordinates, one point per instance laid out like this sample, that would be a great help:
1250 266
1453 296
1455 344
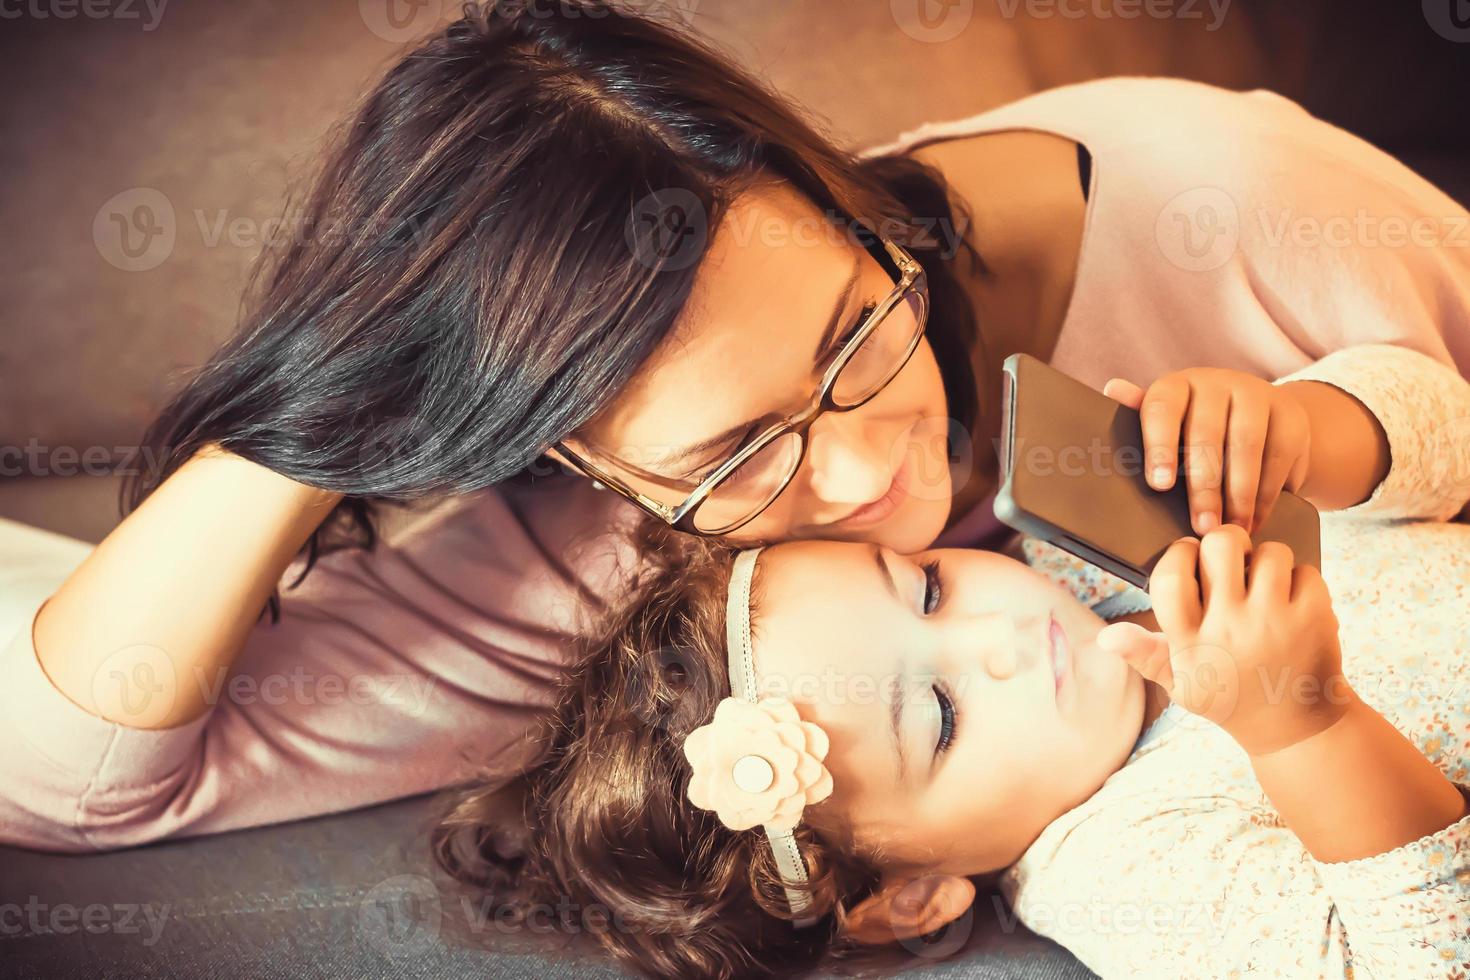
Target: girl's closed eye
933 586
943 695
947 716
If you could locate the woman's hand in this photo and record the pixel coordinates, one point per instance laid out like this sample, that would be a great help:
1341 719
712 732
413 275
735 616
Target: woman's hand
1244 440
1251 646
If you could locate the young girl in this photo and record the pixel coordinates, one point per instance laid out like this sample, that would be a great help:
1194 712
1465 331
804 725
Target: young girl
1278 788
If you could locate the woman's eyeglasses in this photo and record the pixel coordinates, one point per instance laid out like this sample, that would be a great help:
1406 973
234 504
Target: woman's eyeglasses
737 490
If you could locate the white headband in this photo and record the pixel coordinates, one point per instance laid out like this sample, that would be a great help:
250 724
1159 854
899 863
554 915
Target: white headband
743 685
756 761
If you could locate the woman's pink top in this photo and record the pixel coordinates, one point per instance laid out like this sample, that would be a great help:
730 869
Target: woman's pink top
1223 228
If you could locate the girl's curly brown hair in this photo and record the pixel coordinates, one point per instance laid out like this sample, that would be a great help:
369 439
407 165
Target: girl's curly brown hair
606 820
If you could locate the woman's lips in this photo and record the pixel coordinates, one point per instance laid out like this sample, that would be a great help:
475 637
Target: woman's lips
881 508
1061 655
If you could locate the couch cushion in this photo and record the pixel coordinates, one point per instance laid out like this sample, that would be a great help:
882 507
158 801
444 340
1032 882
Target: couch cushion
347 895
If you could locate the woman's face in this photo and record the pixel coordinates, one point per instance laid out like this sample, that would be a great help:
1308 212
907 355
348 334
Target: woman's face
870 652
775 274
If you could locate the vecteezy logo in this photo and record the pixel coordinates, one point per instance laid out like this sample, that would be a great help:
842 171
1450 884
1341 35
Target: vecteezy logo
135 230
667 229
932 21
1199 229
940 456
1450 19
397 21
684 10
395 448
136 686
400 917
944 941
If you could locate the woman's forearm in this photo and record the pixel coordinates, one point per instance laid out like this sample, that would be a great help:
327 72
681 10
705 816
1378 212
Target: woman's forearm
1348 453
1358 788
169 596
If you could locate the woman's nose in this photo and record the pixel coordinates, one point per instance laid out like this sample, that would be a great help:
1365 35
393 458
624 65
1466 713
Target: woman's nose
844 467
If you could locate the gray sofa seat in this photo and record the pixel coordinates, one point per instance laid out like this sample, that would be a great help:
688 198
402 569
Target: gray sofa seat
349 895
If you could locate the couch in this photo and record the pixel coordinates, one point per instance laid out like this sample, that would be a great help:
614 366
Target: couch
217 106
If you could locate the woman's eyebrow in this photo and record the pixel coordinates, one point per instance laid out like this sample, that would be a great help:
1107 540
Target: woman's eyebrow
824 346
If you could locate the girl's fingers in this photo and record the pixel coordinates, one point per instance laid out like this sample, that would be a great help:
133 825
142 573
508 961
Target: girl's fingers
1155 663
1246 441
1121 390
1161 414
1145 651
1222 565
1269 577
1204 452
1299 471
1281 462
1128 640
1174 587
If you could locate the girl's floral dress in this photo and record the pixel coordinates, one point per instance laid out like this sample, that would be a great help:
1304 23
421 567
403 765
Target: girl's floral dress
1179 866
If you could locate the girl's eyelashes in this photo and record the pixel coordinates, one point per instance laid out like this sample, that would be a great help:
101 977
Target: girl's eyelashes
933 587
945 698
943 694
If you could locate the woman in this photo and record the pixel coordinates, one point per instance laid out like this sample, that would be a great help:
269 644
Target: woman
549 237
1278 785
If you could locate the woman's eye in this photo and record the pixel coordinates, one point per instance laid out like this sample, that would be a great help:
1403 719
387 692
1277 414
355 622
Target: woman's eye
703 475
946 718
707 471
862 318
932 587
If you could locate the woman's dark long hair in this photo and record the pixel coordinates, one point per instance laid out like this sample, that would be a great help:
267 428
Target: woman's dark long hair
484 260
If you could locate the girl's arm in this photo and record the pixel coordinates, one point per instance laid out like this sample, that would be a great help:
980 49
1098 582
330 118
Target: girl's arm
170 594
1253 647
1390 433
1348 853
1358 788
1178 867
1348 452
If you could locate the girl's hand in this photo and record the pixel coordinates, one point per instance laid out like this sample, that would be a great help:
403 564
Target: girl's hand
1244 441
1254 651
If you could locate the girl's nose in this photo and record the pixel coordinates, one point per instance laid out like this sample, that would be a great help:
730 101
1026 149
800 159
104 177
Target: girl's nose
1000 654
989 639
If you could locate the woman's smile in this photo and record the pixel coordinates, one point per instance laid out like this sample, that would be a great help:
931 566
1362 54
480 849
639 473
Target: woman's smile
879 510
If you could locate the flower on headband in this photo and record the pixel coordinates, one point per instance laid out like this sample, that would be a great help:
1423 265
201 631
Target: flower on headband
757 764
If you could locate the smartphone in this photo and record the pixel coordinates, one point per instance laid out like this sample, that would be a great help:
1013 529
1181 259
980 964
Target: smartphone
1072 472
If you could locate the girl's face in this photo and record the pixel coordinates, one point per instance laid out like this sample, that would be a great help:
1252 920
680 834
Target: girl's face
775 275
952 745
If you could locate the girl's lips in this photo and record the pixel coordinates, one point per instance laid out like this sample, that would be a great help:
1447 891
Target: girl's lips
1061 656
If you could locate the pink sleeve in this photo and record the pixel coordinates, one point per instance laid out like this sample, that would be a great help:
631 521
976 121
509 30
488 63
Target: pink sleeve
390 673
